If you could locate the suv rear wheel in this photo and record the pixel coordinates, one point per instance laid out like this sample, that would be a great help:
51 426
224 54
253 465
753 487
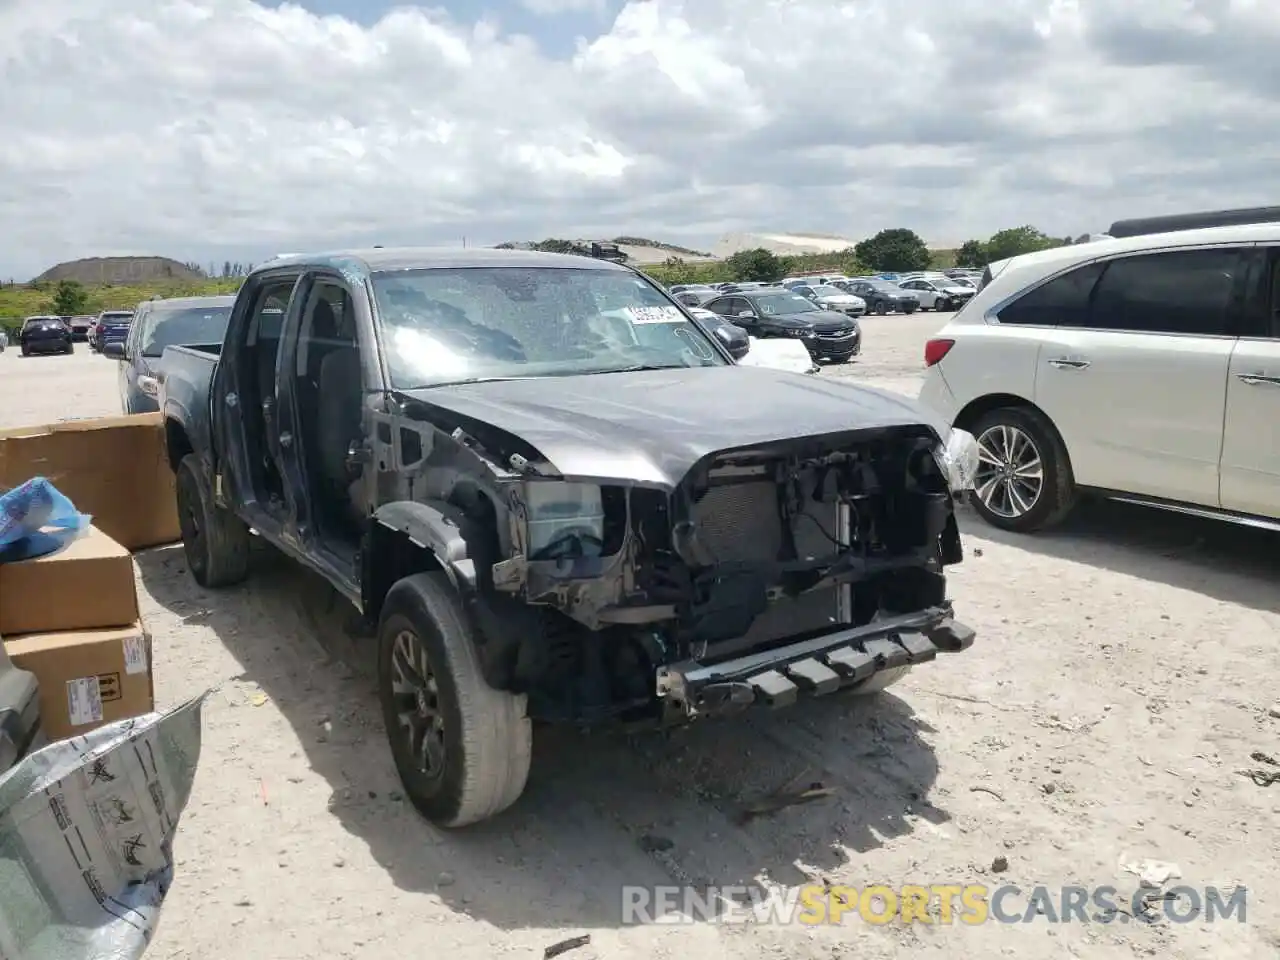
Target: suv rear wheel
462 748
1023 482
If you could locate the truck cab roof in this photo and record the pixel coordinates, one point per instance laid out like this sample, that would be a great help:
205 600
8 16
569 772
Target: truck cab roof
392 259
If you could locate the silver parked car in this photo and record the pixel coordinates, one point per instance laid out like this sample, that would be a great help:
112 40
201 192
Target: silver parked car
938 293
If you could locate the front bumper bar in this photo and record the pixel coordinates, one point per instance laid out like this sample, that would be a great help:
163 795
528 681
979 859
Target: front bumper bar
812 667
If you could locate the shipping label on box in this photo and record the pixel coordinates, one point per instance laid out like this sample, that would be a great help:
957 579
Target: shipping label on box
87 677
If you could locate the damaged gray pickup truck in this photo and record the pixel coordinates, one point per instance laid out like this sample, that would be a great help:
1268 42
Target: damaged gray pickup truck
558 499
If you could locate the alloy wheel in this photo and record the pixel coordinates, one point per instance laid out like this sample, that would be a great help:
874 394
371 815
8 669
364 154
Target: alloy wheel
417 701
1010 475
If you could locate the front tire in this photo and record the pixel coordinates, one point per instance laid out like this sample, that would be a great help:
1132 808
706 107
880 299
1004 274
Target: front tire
462 748
216 541
1024 481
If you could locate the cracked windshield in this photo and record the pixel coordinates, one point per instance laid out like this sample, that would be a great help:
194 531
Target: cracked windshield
451 326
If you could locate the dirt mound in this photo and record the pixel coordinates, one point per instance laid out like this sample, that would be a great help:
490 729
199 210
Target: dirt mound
120 270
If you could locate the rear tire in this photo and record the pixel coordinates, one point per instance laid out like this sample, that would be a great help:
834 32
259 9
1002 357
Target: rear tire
1056 495
462 749
216 541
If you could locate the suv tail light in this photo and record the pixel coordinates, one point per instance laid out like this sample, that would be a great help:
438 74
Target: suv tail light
935 350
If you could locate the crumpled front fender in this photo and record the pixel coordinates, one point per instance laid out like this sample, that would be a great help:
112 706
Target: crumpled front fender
436 527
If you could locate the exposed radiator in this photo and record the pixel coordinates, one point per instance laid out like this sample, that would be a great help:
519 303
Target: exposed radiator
740 522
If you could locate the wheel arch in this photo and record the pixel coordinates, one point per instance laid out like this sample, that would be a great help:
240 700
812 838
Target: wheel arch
975 410
408 537
177 442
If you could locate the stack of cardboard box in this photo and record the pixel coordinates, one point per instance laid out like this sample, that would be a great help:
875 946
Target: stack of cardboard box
72 618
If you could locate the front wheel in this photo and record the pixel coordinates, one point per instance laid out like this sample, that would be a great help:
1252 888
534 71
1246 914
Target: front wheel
462 748
1023 482
882 309
216 541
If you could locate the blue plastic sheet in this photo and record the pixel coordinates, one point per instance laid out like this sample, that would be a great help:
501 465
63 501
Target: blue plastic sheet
36 520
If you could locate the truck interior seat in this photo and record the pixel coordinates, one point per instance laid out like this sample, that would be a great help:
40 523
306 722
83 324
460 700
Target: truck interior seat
338 415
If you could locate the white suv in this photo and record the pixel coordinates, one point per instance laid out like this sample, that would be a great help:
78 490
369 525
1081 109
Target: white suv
1146 369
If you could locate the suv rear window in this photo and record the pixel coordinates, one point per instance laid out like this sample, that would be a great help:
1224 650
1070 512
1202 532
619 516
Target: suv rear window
1062 302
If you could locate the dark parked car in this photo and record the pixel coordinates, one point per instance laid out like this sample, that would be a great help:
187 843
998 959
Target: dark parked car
45 335
884 297
185 321
696 297
827 335
732 336
552 512
111 326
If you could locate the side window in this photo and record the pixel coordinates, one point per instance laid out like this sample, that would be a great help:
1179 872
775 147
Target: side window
1187 291
262 340
327 324
1273 301
1062 302
135 331
268 313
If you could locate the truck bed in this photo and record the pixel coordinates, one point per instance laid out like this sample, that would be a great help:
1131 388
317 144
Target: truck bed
186 375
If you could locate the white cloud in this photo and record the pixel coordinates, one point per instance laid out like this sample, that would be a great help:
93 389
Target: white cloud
196 127
550 8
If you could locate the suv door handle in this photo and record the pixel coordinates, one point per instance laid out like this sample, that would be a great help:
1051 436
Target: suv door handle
1258 379
1068 363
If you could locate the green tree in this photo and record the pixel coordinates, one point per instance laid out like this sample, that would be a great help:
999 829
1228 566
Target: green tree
554 245
69 298
972 253
679 271
1017 241
894 250
759 265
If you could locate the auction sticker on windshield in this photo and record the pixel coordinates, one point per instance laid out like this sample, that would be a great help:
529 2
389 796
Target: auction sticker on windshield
642 315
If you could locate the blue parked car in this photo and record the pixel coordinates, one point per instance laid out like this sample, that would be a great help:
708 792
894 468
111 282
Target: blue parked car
111 325
179 322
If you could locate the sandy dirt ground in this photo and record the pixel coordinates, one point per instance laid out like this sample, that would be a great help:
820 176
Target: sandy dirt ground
1125 670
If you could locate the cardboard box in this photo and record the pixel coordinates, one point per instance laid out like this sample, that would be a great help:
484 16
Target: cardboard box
88 584
87 677
113 468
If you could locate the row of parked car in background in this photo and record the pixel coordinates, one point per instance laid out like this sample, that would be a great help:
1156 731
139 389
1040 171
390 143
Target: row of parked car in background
822 310
58 334
135 338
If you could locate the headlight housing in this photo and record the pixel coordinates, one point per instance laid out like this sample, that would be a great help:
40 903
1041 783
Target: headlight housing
565 520
957 457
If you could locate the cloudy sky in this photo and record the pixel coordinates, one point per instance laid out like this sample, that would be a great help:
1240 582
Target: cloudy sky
214 129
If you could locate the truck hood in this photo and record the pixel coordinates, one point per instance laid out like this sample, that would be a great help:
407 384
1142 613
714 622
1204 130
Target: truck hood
651 427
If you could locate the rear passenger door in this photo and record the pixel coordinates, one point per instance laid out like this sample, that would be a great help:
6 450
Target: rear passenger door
1136 384
1250 472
